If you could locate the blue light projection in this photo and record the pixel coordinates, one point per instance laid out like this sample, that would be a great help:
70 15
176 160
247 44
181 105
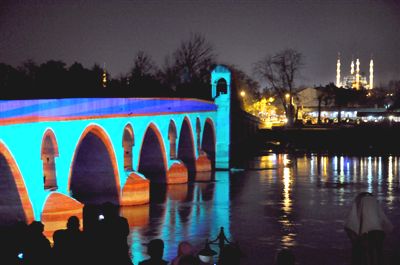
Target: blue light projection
25 123
97 107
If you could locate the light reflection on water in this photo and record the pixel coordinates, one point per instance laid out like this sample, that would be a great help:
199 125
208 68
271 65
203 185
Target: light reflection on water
280 201
193 212
277 201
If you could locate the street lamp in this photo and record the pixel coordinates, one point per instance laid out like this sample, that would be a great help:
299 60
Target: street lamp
242 93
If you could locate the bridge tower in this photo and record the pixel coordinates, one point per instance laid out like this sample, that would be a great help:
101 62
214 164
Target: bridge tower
221 93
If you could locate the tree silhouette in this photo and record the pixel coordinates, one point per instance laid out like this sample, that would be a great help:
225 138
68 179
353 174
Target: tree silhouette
188 70
280 71
142 80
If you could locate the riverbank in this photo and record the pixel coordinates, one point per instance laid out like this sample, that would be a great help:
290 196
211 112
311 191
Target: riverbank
363 139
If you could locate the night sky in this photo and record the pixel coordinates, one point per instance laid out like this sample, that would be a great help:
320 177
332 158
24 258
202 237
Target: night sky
242 32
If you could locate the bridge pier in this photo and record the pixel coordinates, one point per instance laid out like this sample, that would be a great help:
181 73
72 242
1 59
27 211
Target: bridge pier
136 190
177 174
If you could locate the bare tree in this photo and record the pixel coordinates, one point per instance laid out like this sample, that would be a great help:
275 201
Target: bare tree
280 71
187 70
143 65
194 58
169 74
243 83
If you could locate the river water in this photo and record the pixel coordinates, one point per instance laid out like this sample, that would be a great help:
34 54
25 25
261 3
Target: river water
276 201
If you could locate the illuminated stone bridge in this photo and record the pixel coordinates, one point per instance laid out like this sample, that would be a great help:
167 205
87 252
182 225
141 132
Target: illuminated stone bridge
57 155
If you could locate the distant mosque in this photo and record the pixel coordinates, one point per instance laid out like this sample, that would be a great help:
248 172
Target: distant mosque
355 80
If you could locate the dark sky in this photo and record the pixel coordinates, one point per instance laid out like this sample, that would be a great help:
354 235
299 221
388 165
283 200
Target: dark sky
241 31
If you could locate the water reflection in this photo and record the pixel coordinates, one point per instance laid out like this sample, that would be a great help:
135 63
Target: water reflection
288 239
296 202
287 201
192 212
280 201
390 196
137 216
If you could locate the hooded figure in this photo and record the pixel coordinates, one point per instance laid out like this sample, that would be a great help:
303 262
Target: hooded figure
366 226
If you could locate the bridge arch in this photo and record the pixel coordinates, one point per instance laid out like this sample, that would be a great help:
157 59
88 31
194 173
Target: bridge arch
152 160
172 139
49 152
186 151
94 175
128 141
198 134
12 189
209 141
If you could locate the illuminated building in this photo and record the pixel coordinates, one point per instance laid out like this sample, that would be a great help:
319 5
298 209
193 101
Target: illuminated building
355 80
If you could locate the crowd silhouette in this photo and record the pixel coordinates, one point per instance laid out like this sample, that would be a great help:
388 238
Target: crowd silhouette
104 241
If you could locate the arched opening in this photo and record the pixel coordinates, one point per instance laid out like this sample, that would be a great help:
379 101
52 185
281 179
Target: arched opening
48 154
198 134
152 162
128 141
222 87
15 205
186 148
208 143
172 140
94 178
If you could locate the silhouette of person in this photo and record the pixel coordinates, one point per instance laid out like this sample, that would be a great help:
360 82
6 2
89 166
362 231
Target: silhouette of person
12 240
37 248
68 243
285 257
184 249
114 231
155 249
365 226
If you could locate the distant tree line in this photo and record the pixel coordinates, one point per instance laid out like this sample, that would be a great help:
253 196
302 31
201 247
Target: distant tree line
184 73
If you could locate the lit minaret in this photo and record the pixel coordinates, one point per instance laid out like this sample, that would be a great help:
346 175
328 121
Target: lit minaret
104 76
358 74
352 68
371 74
338 84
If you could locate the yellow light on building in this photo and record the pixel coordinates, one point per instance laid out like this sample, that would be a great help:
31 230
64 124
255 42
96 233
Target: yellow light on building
104 77
242 93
